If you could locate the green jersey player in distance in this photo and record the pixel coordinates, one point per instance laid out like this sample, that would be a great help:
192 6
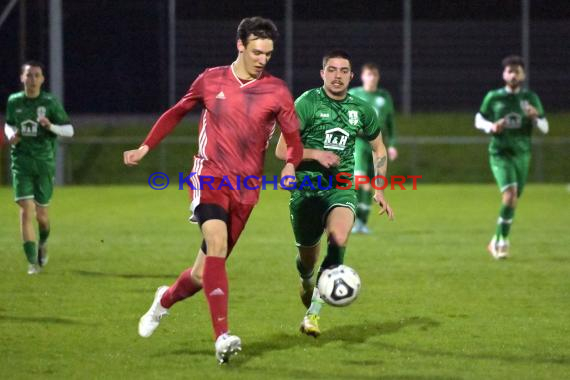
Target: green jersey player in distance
509 114
34 119
381 100
330 120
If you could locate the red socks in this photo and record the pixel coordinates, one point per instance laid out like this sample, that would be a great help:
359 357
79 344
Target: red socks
215 283
184 287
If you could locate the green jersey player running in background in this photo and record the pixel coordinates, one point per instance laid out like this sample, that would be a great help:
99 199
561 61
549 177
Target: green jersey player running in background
330 120
382 103
34 119
510 113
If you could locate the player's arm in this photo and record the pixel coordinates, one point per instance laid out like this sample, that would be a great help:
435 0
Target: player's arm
289 125
380 160
11 133
10 130
391 130
535 112
166 123
59 122
482 119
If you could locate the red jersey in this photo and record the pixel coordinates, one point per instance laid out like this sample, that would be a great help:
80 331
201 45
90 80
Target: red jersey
236 123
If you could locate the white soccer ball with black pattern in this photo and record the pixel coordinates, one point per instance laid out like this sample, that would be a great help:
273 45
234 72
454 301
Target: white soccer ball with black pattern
339 286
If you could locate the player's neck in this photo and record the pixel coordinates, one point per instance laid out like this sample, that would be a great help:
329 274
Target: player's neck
513 90
32 93
239 70
370 89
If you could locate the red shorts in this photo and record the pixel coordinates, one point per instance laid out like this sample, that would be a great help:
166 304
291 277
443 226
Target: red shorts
238 212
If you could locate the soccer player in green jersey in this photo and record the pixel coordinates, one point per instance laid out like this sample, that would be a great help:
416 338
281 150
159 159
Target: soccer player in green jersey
330 121
381 100
34 119
509 114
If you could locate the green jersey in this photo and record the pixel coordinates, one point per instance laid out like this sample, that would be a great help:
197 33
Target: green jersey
35 141
328 124
382 103
515 137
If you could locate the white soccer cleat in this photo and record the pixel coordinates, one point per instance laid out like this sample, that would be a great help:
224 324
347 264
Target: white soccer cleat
226 346
502 249
365 230
43 255
150 321
34 269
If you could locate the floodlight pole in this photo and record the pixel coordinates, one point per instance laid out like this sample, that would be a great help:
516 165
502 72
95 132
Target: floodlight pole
525 37
56 74
407 59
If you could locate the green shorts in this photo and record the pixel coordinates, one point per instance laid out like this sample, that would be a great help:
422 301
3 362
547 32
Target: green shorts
510 170
34 180
309 211
363 164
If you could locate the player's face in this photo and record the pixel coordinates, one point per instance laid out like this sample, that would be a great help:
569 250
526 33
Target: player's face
336 76
369 79
513 75
256 54
32 78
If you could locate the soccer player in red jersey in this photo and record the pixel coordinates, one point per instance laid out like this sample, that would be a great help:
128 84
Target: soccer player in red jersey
241 105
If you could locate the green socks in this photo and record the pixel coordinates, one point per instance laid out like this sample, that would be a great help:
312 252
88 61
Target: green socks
44 234
504 222
335 256
31 252
364 202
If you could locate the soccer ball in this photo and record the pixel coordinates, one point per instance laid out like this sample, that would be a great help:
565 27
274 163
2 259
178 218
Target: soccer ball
339 286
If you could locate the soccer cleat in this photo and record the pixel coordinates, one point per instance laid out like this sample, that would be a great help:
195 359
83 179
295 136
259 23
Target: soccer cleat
310 325
34 269
357 227
151 319
226 346
365 230
306 292
42 255
502 249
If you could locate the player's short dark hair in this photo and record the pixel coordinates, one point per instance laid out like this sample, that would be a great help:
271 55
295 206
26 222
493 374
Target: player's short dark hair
32 63
337 53
259 27
513 60
370 66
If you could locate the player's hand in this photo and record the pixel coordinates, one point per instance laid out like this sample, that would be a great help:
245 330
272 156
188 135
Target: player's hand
498 126
327 159
289 172
392 153
384 206
44 122
14 139
133 157
531 111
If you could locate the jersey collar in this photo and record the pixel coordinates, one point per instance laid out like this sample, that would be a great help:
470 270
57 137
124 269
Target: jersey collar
509 91
239 81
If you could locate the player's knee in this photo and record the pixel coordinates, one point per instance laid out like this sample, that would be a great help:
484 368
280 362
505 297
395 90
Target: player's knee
510 196
338 237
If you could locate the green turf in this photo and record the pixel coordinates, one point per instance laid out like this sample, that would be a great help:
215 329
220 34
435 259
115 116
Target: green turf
434 305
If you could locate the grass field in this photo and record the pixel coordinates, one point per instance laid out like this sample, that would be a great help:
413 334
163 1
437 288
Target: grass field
434 305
